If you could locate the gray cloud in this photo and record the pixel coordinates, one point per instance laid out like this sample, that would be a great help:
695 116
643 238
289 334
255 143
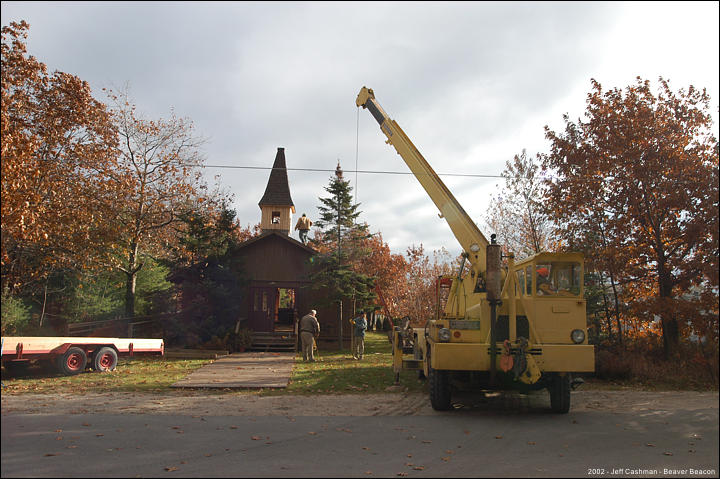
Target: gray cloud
471 83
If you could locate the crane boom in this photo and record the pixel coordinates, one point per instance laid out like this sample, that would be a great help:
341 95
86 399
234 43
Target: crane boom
463 227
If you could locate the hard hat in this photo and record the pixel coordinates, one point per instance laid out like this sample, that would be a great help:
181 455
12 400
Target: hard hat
543 271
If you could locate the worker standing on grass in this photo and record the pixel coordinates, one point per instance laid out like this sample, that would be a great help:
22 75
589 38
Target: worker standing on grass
360 324
309 329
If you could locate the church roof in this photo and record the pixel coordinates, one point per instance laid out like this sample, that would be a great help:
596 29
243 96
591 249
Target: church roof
277 192
275 233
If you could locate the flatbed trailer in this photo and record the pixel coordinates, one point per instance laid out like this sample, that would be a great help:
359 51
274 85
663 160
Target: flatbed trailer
73 355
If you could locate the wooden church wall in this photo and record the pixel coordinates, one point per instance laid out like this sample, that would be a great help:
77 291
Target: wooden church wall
274 259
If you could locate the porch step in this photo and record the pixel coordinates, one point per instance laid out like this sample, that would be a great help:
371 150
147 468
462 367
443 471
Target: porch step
273 341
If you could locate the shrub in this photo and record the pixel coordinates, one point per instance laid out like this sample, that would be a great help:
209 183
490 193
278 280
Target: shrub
696 367
15 315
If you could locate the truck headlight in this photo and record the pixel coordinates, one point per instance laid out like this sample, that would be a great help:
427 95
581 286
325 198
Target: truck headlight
444 334
577 336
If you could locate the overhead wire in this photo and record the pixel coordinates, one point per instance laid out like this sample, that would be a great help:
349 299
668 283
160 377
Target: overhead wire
380 172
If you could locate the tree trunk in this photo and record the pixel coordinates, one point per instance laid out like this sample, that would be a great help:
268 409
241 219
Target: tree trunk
340 337
671 333
611 276
131 280
606 306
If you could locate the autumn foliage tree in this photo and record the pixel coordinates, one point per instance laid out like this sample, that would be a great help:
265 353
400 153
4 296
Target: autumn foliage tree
517 214
58 149
159 161
637 183
418 299
389 269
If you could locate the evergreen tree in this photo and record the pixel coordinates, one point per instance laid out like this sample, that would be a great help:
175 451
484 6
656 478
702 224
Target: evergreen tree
208 277
341 247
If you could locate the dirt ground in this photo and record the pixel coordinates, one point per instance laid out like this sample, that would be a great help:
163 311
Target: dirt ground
203 403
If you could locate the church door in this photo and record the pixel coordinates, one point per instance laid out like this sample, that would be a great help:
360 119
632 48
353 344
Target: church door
262 309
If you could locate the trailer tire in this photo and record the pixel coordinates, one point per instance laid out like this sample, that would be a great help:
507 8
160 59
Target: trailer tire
105 359
72 362
560 393
440 394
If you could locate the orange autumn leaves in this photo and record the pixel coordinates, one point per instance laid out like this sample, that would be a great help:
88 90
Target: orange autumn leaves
57 150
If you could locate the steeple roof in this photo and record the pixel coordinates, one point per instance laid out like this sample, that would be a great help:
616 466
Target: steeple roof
277 192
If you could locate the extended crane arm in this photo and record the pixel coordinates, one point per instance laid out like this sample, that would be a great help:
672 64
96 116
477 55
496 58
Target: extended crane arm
463 227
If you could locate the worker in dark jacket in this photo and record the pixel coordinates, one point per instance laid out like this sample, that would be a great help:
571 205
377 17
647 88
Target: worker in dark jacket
360 324
309 330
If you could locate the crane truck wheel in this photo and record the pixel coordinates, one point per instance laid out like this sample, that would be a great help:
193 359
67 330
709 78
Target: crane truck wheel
440 394
560 393
72 362
105 360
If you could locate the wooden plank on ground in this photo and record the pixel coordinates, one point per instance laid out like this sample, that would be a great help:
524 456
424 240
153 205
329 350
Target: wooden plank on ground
243 370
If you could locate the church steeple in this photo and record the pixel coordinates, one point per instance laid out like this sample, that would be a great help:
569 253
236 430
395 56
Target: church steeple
276 205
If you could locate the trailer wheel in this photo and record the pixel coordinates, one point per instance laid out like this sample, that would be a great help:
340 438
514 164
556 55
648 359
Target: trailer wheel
72 362
560 393
440 395
105 360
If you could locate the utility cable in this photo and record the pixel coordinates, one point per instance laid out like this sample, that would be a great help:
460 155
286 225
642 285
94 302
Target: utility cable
379 172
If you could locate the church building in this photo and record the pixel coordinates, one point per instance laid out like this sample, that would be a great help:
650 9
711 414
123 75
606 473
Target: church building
278 268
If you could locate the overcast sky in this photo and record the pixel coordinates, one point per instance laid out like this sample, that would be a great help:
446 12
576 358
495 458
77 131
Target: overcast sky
472 84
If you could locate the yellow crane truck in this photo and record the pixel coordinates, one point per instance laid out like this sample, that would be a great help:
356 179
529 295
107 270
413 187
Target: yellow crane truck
520 327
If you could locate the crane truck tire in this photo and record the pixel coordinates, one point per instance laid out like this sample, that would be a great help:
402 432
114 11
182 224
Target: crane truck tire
105 360
560 393
72 362
440 395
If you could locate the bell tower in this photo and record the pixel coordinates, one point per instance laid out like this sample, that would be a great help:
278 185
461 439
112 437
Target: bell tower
276 205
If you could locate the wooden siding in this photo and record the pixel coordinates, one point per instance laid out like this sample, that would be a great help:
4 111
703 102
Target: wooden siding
285 223
275 259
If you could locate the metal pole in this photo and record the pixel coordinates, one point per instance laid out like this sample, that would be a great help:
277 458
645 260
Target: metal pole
341 327
494 293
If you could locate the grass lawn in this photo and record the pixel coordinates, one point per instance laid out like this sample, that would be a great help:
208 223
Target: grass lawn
333 372
136 375
337 372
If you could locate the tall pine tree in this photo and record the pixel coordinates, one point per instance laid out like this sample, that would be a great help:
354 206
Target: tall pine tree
341 247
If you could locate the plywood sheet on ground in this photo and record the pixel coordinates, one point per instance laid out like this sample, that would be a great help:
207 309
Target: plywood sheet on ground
243 370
